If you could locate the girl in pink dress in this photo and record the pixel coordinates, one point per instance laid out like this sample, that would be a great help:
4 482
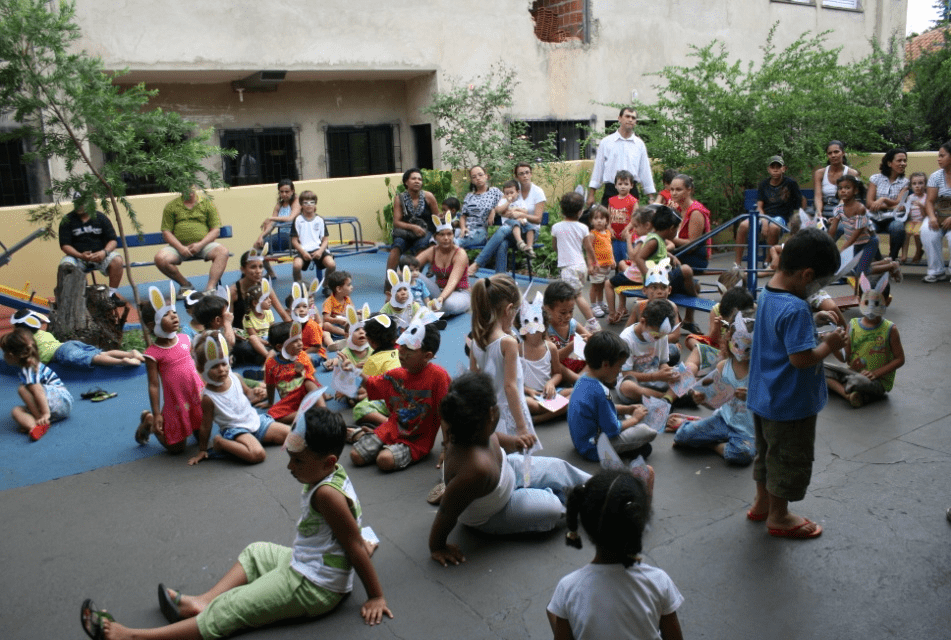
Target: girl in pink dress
169 360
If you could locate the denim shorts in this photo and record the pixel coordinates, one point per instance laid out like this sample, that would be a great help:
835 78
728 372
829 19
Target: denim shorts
232 433
101 267
76 353
60 401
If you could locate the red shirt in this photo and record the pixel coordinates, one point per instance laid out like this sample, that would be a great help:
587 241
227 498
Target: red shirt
684 231
621 210
413 402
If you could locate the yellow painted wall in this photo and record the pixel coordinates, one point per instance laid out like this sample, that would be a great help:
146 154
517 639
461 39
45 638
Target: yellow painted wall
244 208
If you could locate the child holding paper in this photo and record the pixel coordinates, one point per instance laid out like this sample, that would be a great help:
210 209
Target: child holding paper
729 431
590 410
540 366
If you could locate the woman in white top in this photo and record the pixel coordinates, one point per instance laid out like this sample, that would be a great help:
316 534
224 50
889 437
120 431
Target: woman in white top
937 227
886 190
824 180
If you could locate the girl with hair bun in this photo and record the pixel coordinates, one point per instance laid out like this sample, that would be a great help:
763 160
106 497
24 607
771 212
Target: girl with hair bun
616 596
485 487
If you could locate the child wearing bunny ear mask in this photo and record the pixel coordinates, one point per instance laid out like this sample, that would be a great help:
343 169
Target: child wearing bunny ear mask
401 304
540 365
729 431
357 350
288 371
412 393
647 371
873 352
170 368
312 333
226 401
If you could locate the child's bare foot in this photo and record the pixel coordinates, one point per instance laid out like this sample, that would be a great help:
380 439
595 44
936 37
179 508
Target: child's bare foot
793 526
473 268
759 511
144 429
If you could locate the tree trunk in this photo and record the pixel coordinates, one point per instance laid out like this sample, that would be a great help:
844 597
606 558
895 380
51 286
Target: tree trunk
85 313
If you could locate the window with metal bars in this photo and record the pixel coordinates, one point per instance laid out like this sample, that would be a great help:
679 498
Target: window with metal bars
14 175
264 155
362 151
566 134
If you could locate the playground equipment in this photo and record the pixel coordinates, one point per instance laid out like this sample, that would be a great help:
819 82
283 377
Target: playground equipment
21 298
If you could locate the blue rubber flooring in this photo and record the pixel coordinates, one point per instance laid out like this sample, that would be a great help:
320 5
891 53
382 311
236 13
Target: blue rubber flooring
102 434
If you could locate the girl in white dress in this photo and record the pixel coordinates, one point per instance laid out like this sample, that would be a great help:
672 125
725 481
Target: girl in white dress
495 301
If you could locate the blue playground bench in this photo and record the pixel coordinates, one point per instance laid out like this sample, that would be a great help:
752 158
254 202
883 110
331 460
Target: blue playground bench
155 239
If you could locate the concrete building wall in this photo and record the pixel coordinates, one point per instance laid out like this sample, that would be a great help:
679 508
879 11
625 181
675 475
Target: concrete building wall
362 62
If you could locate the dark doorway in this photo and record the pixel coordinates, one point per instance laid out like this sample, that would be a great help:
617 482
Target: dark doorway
423 138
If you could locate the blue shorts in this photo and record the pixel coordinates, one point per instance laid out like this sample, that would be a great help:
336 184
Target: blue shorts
76 353
620 249
59 400
413 247
232 433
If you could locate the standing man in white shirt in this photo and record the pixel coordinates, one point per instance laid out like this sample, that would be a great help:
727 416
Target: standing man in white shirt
621 150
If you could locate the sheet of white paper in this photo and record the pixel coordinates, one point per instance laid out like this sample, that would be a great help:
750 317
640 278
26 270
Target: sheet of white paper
369 535
346 382
848 260
685 383
579 347
717 393
554 404
609 458
657 412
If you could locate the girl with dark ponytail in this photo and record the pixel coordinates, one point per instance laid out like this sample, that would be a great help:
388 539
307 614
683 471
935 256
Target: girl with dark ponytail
616 595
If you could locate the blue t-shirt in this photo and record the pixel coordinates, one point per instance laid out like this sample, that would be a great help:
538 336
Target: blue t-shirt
590 411
778 390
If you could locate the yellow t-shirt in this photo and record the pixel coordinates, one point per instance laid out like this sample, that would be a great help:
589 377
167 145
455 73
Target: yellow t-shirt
381 362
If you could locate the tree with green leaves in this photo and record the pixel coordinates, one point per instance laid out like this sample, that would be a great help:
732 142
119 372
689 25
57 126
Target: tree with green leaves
943 7
719 120
472 121
930 77
65 103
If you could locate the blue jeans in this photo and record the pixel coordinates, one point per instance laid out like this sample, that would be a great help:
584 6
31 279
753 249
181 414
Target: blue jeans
740 447
496 246
896 235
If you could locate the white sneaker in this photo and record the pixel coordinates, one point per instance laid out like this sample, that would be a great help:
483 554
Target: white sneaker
597 311
604 308
593 325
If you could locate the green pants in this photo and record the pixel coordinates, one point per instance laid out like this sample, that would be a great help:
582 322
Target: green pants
274 592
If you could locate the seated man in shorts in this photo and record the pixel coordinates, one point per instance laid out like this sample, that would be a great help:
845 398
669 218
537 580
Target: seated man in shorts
89 242
190 226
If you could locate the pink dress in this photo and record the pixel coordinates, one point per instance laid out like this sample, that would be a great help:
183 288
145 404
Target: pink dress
181 388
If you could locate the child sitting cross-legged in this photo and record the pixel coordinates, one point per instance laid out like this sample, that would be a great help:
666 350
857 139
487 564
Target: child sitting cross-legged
559 305
873 352
648 371
729 431
539 359
485 485
590 410
412 394
226 401
340 285
270 582
258 321
381 333
288 371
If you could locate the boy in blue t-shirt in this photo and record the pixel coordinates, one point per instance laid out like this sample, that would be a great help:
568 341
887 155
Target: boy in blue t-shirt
787 383
590 410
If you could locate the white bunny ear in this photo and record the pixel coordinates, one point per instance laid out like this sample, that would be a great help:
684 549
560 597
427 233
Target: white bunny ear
352 318
882 283
383 319
265 287
162 308
293 334
864 283
264 249
392 277
436 221
407 274
297 290
32 319
443 223
315 286
365 312
296 440
216 352
224 292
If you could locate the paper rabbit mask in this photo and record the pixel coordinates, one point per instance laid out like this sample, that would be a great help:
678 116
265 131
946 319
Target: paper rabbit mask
162 308
356 321
443 224
657 272
416 331
398 284
872 302
530 315
216 352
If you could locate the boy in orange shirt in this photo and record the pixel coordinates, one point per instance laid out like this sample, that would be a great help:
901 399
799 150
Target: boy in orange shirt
340 284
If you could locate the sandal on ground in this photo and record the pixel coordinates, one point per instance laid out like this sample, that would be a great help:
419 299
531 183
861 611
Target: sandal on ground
355 433
39 431
169 605
92 393
617 317
104 395
797 531
91 619
756 517
435 494
692 327
144 430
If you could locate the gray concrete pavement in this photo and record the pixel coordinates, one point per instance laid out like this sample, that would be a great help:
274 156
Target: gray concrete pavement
882 568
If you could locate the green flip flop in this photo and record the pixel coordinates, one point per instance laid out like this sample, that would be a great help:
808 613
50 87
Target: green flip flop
92 619
104 395
169 605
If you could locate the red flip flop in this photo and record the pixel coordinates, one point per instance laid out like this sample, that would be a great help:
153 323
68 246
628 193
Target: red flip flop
797 532
39 431
756 517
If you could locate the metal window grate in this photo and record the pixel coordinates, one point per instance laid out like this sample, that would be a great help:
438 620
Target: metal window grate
568 135
361 151
264 155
